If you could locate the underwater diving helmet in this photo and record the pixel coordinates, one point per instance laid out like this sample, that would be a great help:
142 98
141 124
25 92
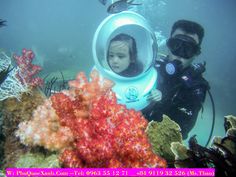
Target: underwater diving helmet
133 90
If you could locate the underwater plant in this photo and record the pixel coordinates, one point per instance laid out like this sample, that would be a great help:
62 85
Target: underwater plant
54 84
89 129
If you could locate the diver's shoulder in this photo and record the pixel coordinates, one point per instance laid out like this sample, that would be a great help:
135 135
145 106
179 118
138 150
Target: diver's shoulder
201 81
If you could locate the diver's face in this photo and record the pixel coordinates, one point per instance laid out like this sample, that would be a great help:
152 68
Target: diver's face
185 62
118 56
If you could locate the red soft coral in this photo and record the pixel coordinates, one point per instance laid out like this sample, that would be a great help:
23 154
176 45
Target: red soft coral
102 133
27 70
106 133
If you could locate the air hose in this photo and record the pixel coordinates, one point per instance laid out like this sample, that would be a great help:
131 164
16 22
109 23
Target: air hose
213 117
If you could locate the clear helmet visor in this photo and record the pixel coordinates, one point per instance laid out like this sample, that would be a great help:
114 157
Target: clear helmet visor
107 57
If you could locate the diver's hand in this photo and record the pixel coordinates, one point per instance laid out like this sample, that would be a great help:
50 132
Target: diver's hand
154 96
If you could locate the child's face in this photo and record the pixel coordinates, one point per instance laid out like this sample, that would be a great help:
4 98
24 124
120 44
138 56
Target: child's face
118 56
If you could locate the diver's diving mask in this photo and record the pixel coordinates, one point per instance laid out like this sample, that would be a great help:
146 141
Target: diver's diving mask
183 46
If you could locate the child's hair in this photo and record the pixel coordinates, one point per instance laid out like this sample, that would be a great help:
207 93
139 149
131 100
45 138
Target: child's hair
189 27
131 44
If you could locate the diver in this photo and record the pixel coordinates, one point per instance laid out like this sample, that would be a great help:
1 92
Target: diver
181 83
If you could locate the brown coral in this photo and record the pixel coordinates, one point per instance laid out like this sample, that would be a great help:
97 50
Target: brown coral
162 134
14 112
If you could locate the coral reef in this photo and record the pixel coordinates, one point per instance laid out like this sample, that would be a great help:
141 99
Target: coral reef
14 112
27 70
10 84
2 173
2 138
180 151
19 97
4 73
37 160
51 135
19 79
221 155
99 132
162 134
230 125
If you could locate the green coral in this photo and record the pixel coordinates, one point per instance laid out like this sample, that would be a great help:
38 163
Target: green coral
180 150
162 134
182 158
37 160
230 125
227 141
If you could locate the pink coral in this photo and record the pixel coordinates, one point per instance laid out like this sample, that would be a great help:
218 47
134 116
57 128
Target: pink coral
50 134
105 134
27 70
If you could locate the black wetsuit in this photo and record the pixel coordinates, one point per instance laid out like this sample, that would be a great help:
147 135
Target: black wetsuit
182 96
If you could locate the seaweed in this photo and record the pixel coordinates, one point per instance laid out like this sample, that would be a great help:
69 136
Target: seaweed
54 85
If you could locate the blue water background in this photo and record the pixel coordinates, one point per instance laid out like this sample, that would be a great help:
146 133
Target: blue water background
61 31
